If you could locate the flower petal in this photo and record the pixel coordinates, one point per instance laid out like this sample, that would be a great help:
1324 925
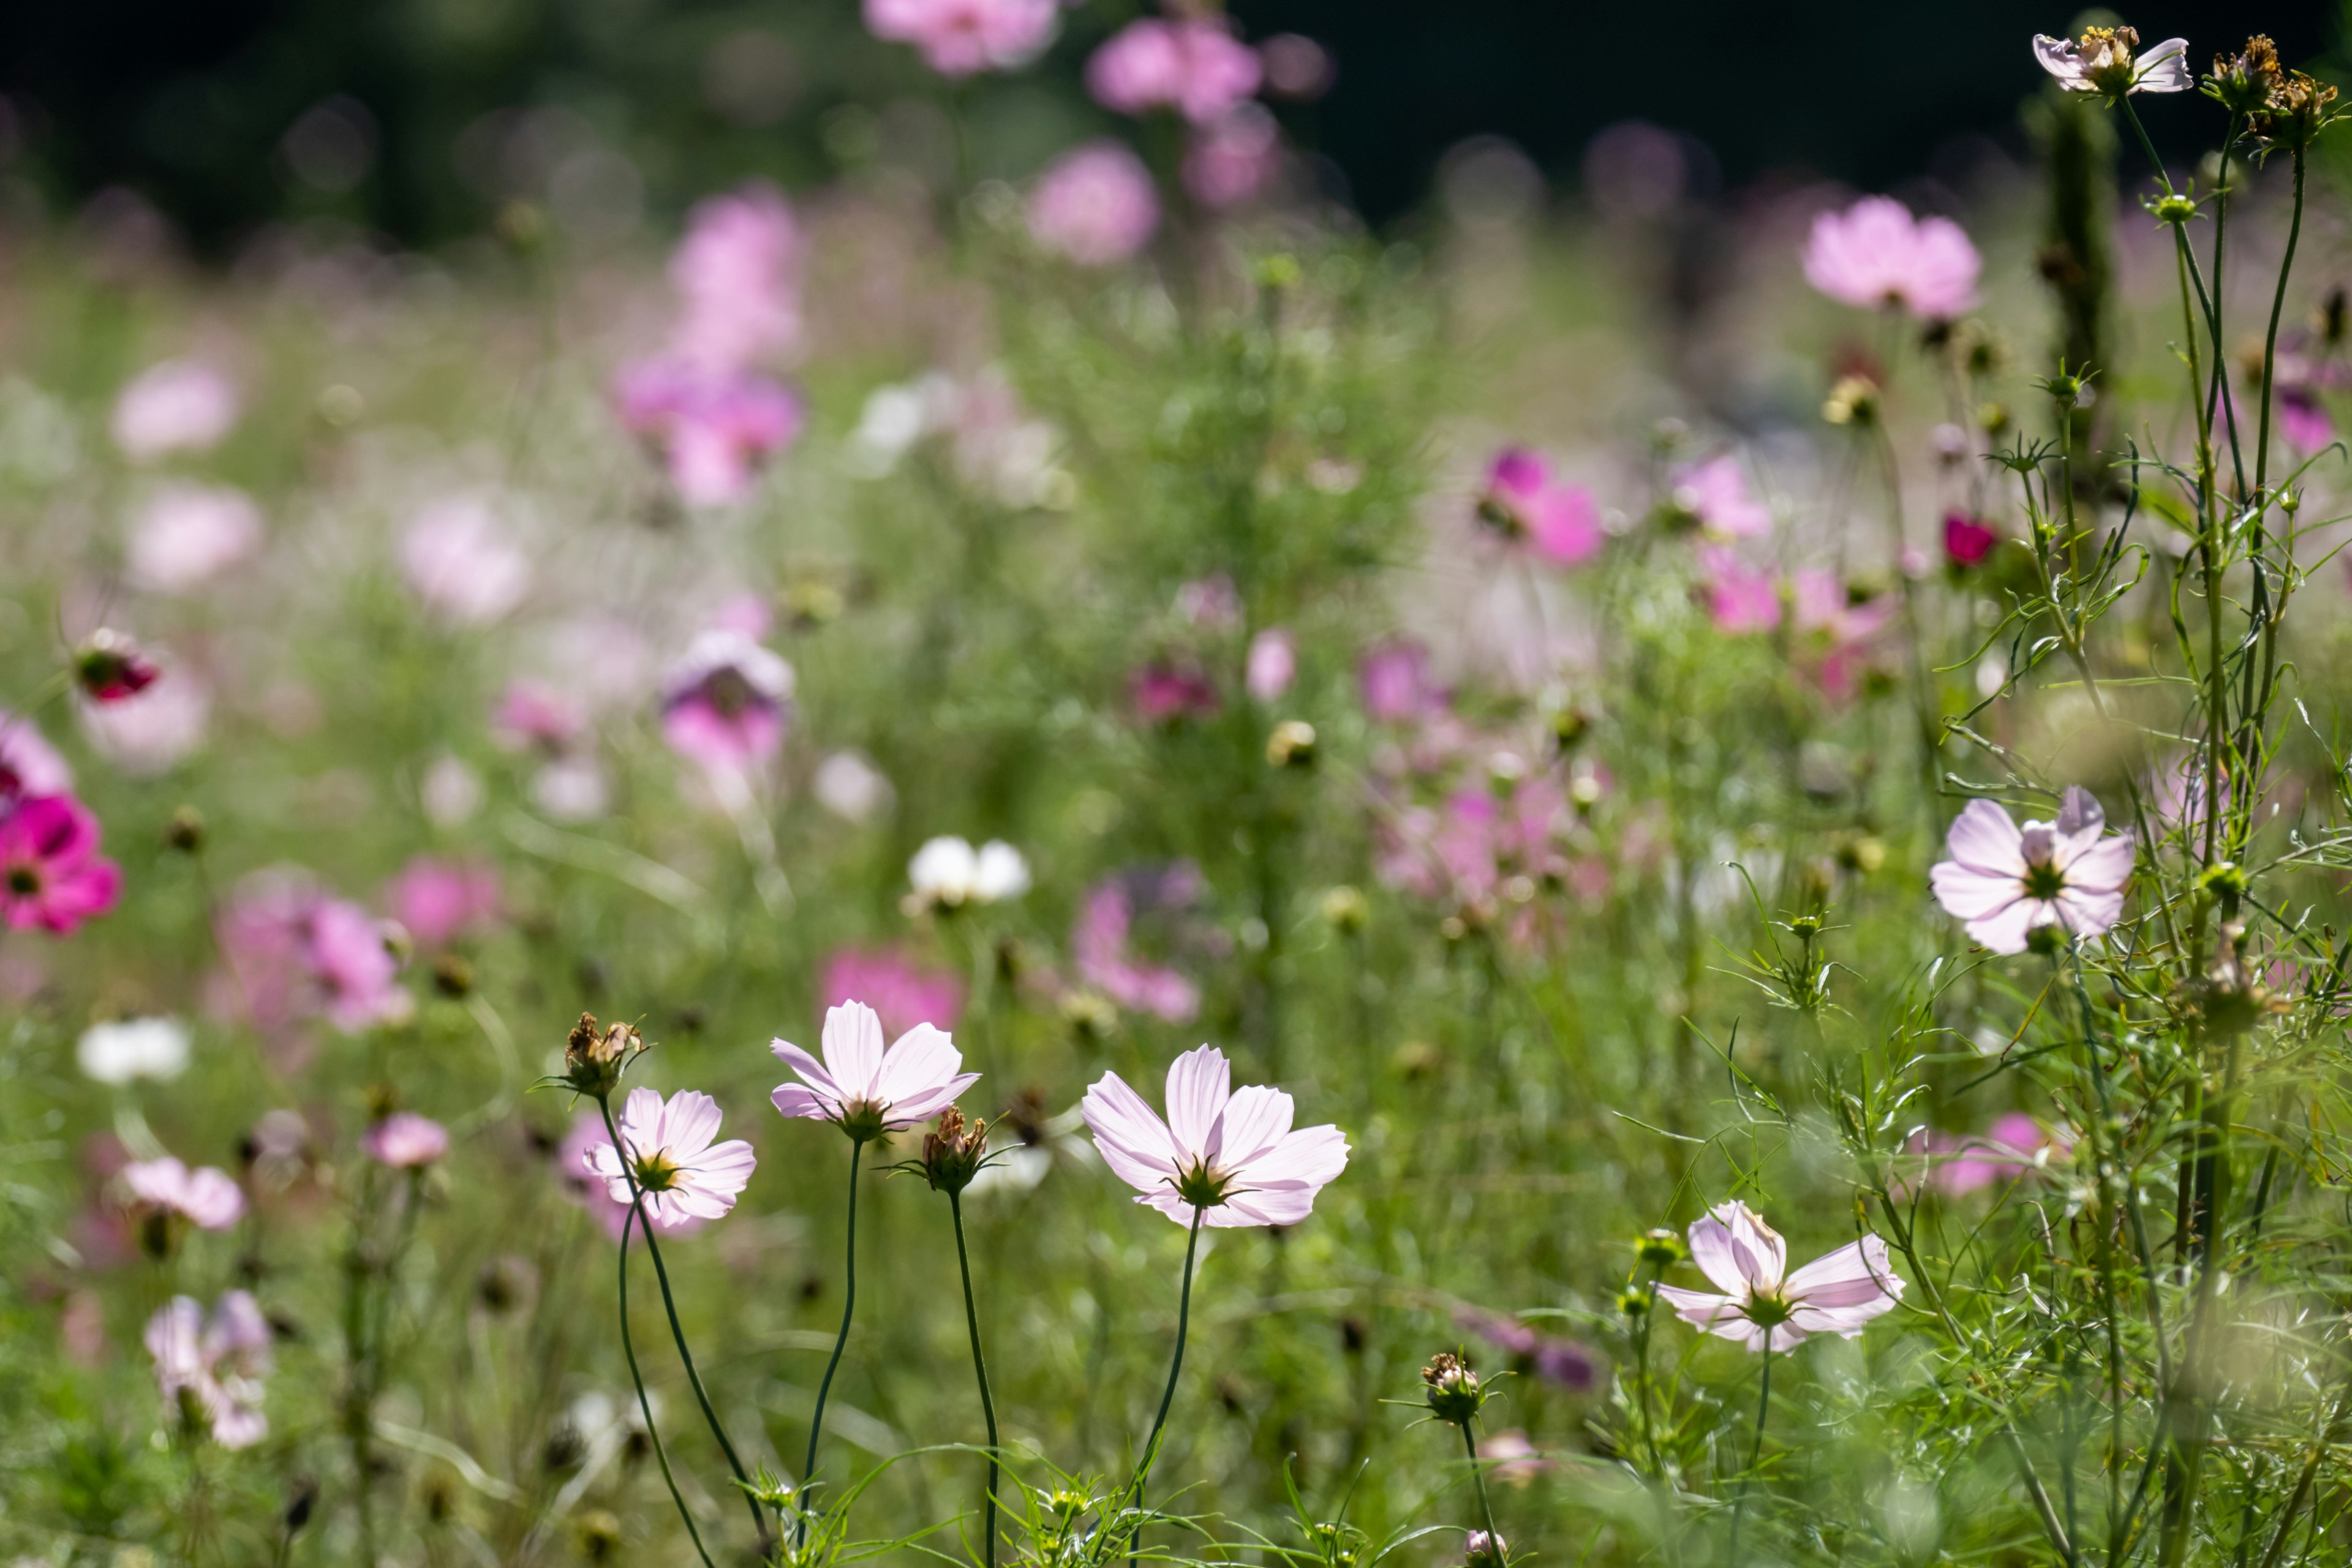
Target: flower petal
917 1063
1854 1275
1256 1119
853 1048
1134 1141
1198 1087
811 1071
688 1124
1983 838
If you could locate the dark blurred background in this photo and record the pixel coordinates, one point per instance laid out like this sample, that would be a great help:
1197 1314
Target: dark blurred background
418 120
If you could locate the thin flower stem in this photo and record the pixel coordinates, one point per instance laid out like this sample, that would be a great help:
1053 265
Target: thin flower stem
1478 1475
1183 1322
848 1306
645 1407
2270 341
980 1372
678 1331
1755 1454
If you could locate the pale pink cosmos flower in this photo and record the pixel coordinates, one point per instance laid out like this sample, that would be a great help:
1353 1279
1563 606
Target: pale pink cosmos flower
1841 630
2012 1146
1395 680
1272 664
737 277
1740 599
216 1365
1523 502
295 952
1191 65
726 702
151 733
178 405
463 562
2006 882
406 1141
901 991
185 534
1766 1308
713 429
536 717
962 37
29 765
865 1090
681 1172
205 1197
51 875
1875 253
1227 1158
1099 947
1094 204
435 900
2106 60
575 1160
1714 495
1234 158
354 967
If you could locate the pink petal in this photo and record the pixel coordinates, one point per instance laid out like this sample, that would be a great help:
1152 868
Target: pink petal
1983 838
811 1071
1198 1087
1254 1120
1855 1274
916 1064
853 1048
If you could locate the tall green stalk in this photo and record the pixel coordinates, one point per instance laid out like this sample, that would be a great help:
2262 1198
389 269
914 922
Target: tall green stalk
980 1372
841 1342
636 1379
1168 1397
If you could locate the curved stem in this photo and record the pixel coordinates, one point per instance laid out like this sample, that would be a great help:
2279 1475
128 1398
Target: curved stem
1755 1455
2270 341
980 1370
676 1330
1485 1505
849 1306
1183 1323
644 1408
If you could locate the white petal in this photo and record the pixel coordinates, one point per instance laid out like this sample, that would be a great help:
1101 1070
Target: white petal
1852 1276
1756 1250
1983 838
853 1048
689 1126
917 1063
1198 1087
2005 931
812 1071
1256 1119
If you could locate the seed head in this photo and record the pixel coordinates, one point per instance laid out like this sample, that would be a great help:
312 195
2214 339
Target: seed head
952 1151
595 1057
2245 82
1452 1390
1292 744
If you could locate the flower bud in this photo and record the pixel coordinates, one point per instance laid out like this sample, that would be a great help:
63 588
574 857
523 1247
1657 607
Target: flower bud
185 831
952 1151
1452 1391
1660 1248
1482 1549
1853 401
2172 207
1292 744
1635 1301
1345 911
110 667
595 1057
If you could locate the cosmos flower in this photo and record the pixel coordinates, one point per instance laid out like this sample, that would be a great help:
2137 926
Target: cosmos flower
2012 1146
1875 253
295 952
865 1090
681 1172
962 37
1094 204
1164 691
178 405
406 1141
2106 60
29 765
1766 1308
133 1048
205 1197
149 734
1967 541
1234 158
461 561
574 1161
1100 948
1524 503
51 874
713 429
1714 496
900 991
1394 680
1272 664
1193 66
1230 1156
435 900
725 702
948 873
2006 882
1740 599
737 277
110 666
215 1367
185 534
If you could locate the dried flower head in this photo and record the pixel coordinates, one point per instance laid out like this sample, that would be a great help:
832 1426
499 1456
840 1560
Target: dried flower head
2243 83
1452 1391
953 1151
596 1056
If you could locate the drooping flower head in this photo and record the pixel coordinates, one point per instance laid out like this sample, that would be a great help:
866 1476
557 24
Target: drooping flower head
1527 506
1875 253
962 37
865 1090
205 1197
110 666
1763 1306
1191 65
1094 204
725 702
681 1172
2109 61
406 1141
212 1369
51 874
2007 882
947 873
1230 1156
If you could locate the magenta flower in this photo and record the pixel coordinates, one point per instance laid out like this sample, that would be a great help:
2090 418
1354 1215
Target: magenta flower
110 666
901 991
213 1368
2106 60
463 563
1740 600
1563 1361
207 1198
1099 947
2013 1145
1229 1158
865 1090
1522 501
51 875
186 534
725 703
434 899
1234 158
737 277
1875 253
354 963
1094 204
1764 1307
406 1141
29 765
1394 678
1164 692
682 1174
1272 664
2006 882
1714 495
712 430
178 405
1190 65
962 37
1967 541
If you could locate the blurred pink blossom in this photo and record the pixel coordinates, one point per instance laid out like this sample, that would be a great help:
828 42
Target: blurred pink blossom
713 429
1234 158
1164 692
1098 945
434 899
1192 65
205 1197
186 533
1296 68
1522 501
901 991
532 716
463 562
737 277
1967 541
1094 204
1465 850
1740 599
1875 253
28 764
1272 664
215 1364
1841 628
1716 494
725 704
178 405
1210 603
296 953
151 734
1394 678
962 37
406 1141
2014 1145
51 874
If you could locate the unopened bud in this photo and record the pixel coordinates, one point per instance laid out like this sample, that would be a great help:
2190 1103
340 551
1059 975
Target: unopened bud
1292 744
1484 1549
1345 911
952 1151
1452 1390
1660 1248
185 831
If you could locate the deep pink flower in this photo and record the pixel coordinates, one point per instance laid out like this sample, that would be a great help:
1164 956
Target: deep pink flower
865 1090
1272 664
435 900
1766 1308
1190 65
1098 946
1875 253
1394 678
681 1172
2006 882
1094 204
1714 495
737 277
110 666
713 429
1164 692
406 1141
178 405
205 1197
725 704
1967 541
1229 1154
51 875
962 37
29 765
216 1364
1526 505
1234 158
901 991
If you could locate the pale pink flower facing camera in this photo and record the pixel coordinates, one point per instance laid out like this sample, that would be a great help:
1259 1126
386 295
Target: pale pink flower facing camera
1192 66
1235 158
963 37
436 900
1762 1305
714 430
1524 503
1094 204
186 534
178 405
1876 254
462 562
406 1141
1228 1157
1272 664
865 1090
1714 496
683 1173
2007 882
205 1197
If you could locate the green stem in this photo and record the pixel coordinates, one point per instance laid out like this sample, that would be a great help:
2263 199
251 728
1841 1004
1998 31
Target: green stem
1478 1475
1183 1324
980 1372
1755 1454
849 1306
645 1407
2270 341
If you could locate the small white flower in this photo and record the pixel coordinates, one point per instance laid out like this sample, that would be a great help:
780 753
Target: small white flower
1766 1308
2106 60
133 1048
849 785
865 1090
950 873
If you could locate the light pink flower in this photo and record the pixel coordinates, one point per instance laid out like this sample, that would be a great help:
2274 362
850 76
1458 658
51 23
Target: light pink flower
1229 1156
435 900
1099 947
1875 253
712 430
1840 630
1394 678
216 1364
187 534
1234 158
1740 600
531 716
51 874
149 735
962 37
737 277
1715 493
2005 882
681 1172
2014 1144
575 1160
463 563
178 405
1296 68
865 1090
725 704
901 991
355 967
29 765
2107 61
295 952
406 1141
1525 504
1190 65
1272 664
1094 204
205 1197
1764 1307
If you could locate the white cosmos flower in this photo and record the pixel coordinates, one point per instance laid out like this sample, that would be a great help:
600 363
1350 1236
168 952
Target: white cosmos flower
2105 60
865 1090
949 873
1766 1308
2006 881
133 1048
1230 1153
684 1174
